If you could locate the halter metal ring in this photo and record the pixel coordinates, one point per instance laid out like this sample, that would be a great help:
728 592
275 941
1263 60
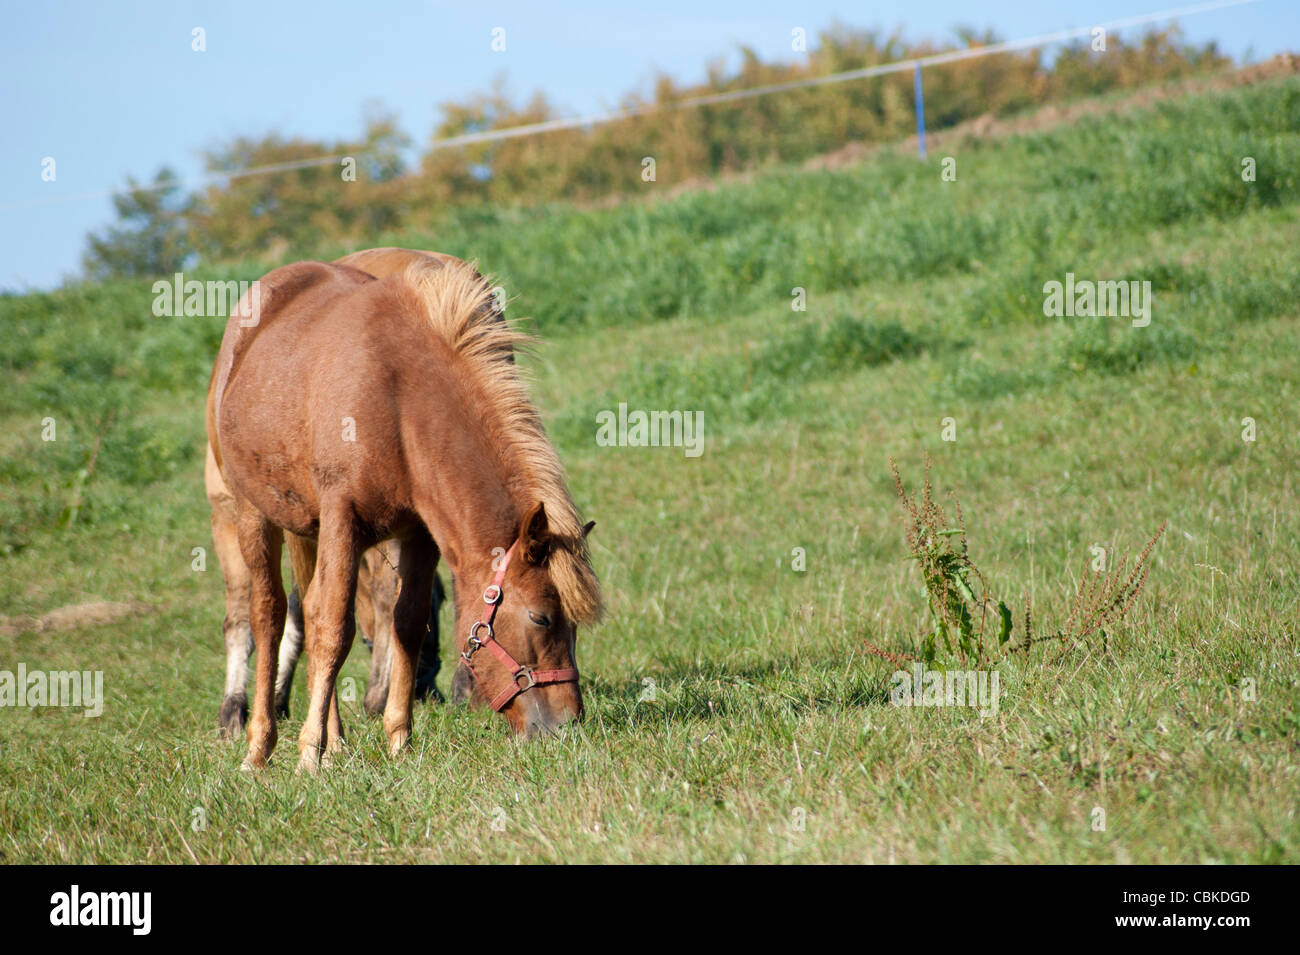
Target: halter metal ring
492 594
532 680
474 641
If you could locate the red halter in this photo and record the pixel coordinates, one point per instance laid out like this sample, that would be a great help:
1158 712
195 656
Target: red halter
522 677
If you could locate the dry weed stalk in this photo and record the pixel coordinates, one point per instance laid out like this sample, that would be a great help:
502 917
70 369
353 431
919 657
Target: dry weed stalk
956 589
1101 599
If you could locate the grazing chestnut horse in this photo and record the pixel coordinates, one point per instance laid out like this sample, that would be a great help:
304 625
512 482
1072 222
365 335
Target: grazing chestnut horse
406 420
376 583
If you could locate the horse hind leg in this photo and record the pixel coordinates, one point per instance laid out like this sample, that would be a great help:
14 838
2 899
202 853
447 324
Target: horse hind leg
302 560
233 714
290 650
462 684
236 630
376 595
426 674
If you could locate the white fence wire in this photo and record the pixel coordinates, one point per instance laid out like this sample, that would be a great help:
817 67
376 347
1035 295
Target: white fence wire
694 102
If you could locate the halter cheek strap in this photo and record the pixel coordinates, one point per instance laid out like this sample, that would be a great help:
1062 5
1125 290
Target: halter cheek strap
481 637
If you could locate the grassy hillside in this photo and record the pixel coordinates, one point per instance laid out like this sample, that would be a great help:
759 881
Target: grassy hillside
924 303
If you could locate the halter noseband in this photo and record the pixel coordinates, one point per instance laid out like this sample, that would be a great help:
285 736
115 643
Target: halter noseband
522 677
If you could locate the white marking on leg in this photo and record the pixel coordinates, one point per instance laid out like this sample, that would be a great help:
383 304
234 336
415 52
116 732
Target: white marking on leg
290 650
239 647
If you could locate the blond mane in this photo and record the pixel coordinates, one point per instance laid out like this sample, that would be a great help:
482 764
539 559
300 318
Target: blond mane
461 306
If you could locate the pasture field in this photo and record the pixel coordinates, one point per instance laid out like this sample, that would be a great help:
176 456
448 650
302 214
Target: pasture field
733 713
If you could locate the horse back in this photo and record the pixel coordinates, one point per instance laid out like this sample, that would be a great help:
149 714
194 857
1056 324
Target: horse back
299 289
389 260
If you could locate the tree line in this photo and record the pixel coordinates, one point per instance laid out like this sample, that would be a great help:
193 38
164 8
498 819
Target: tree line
370 186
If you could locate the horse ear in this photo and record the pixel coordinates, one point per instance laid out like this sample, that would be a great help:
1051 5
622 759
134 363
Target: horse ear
535 534
586 529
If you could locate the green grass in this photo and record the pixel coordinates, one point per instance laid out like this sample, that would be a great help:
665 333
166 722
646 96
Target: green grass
925 303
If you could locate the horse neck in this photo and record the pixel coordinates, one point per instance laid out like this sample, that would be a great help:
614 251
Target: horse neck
467 505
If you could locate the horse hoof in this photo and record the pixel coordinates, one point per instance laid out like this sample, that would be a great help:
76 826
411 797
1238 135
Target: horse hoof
427 690
231 719
374 703
398 742
309 762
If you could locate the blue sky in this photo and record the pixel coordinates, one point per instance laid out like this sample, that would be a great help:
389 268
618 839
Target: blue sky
111 89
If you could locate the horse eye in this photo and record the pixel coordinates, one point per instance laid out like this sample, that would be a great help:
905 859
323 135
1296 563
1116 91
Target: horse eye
540 619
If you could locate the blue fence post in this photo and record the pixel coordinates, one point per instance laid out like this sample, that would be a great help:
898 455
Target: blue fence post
920 114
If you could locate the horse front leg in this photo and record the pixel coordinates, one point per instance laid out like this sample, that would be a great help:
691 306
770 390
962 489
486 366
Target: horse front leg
415 569
378 584
260 542
330 628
